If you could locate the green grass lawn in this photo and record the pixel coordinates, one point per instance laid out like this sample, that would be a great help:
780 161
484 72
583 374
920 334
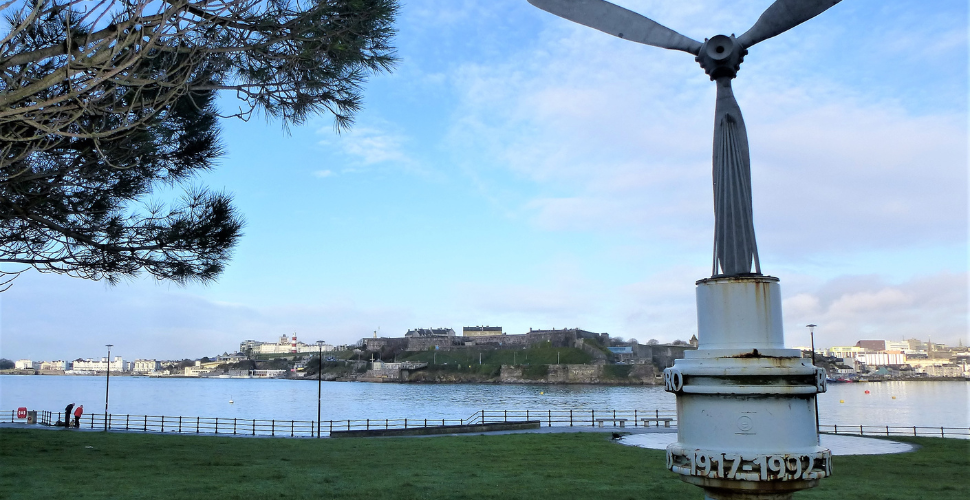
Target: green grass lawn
72 464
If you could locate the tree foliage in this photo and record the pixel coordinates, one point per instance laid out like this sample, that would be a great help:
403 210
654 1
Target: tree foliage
105 104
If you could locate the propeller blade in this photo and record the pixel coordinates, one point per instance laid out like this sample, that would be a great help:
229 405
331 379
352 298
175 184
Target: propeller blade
619 22
782 16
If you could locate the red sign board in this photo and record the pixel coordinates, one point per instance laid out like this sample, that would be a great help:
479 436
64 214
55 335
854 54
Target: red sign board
22 412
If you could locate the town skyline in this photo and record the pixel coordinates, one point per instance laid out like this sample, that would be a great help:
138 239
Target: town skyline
309 348
513 170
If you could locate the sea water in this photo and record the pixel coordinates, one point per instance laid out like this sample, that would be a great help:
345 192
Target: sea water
929 404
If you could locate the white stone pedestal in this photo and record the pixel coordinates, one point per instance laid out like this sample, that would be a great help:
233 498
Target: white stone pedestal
745 404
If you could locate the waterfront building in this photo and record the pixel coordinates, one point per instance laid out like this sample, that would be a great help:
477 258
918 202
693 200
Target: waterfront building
146 366
196 371
881 358
117 365
622 354
430 332
844 352
481 331
285 345
26 364
51 366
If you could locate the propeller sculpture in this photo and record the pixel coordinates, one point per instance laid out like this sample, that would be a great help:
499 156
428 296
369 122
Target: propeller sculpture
735 248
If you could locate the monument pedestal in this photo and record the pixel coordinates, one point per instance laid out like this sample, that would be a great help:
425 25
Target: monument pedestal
745 404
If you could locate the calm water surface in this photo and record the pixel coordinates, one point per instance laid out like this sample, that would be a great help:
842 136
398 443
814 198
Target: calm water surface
888 403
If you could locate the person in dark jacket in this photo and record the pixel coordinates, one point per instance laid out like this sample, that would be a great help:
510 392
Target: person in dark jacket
77 415
67 415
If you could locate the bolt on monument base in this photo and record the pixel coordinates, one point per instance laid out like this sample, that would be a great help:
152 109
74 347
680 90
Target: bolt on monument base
745 404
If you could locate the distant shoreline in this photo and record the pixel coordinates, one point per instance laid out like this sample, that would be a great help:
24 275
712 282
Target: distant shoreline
428 382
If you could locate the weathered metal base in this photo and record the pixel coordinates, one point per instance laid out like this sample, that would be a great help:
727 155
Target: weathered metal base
716 489
745 404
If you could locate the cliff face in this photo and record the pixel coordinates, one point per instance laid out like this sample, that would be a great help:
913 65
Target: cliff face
583 374
547 374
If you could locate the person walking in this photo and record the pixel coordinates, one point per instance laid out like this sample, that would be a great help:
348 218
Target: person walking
77 415
67 415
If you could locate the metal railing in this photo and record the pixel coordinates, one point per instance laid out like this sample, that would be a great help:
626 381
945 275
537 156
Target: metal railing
547 418
892 430
309 428
575 418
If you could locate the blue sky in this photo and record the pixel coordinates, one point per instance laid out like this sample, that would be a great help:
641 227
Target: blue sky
522 171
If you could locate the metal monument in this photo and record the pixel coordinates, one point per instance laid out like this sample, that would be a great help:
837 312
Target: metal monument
745 404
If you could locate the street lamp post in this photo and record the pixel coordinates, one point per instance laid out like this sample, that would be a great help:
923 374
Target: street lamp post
319 381
811 332
107 381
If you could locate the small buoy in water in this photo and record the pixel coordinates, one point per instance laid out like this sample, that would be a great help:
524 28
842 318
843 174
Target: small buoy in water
867 391
541 393
842 401
230 399
894 397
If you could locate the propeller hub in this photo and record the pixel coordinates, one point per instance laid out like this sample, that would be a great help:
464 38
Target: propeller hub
721 56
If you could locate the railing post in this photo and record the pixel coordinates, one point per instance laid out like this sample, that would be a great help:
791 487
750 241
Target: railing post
331 427
272 431
836 428
291 428
506 415
180 424
887 430
860 430
254 426
145 425
526 415
634 417
386 424
570 417
234 425
368 423
592 417
405 423
197 420
127 418
941 433
550 418
914 431
163 424
217 425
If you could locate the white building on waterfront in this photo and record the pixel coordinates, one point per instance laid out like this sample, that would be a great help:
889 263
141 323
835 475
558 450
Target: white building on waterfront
881 358
146 366
26 364
117 365
285 345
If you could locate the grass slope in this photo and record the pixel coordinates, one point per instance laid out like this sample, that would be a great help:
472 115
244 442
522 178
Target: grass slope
72 464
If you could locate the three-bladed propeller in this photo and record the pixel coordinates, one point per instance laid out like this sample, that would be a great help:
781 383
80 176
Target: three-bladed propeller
778 18
735 246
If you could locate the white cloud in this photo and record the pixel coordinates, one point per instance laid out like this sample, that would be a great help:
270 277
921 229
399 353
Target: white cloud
617 135
370 147
851 308
323 173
